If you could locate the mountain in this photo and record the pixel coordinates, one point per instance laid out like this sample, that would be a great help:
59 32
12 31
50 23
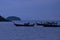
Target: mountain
13 18
3 19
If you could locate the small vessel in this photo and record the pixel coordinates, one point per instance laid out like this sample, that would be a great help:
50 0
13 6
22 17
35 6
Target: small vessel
49 24
25 24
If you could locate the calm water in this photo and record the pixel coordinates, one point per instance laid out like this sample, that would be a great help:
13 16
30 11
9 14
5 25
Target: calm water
8 31
38 33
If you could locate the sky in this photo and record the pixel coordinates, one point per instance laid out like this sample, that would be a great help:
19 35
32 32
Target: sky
31 9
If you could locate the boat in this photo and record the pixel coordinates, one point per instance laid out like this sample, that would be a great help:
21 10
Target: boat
51 25
25 24
48 24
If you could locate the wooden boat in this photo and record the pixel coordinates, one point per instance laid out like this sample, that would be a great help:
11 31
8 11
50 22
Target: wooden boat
51 25
25 24
48 24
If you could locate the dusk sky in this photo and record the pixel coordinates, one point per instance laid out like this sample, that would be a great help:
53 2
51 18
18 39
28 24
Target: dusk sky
31 9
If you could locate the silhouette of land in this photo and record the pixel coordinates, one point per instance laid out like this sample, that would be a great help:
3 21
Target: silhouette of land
3 19
13 18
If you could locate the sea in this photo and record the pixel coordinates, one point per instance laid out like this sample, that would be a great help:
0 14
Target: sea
8 31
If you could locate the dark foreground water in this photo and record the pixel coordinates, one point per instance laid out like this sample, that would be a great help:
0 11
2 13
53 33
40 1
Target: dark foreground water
38 33
8 31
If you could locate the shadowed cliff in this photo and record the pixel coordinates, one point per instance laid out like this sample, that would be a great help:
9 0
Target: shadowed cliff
3 19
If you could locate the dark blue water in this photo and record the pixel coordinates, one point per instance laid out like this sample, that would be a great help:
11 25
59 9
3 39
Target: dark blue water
8 31
38 33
